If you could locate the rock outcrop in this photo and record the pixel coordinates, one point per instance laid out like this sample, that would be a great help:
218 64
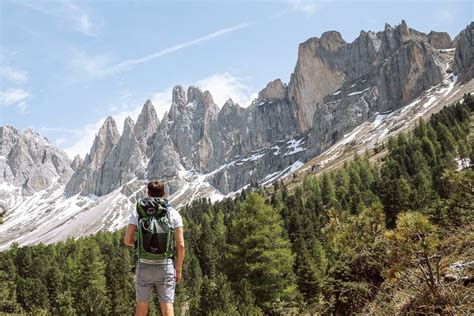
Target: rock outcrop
146 127
440 40
123 164
318 72
464 57
388 57
29 162
104 143
77 163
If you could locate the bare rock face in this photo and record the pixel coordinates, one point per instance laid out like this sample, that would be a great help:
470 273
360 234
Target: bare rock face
398 60
28 161
319 71
185 130
146 127
123 164
179 96
274 90
77 163
440 40
104 143
412 69
464 57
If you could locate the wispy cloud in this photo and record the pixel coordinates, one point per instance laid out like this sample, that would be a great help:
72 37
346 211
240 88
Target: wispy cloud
13 75
68 11
96 67
224 86
308 7
14 97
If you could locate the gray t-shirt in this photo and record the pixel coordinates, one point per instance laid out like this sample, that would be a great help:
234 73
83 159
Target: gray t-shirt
176 221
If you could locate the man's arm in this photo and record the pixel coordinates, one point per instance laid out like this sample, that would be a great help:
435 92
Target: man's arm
129 238
179 241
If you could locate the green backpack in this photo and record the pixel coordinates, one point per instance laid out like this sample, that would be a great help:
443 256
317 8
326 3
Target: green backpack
155 232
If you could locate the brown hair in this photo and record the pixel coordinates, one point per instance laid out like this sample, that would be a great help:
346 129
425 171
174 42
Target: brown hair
156 188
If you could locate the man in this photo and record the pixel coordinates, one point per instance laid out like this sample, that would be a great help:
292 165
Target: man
160 274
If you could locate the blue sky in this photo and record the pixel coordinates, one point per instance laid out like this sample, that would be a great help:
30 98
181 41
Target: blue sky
66 65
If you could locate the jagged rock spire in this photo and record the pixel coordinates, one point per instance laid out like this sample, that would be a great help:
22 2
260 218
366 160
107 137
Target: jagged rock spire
146 127
104 143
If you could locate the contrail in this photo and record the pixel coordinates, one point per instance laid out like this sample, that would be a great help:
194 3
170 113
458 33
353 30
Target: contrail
126 64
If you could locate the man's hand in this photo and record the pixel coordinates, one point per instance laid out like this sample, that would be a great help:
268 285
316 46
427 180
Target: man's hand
129 238
178 276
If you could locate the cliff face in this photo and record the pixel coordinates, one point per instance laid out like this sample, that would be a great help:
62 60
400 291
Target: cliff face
29 162
399 61
464 56
82 180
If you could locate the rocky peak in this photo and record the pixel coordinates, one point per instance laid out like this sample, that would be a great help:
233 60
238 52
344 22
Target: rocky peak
319 70
146 126
30 162
464 56
403 29
440 40
128 126
331 40
207 98
122 165
274 90
77 163
104 142
179 96
8 137
195 95
84 178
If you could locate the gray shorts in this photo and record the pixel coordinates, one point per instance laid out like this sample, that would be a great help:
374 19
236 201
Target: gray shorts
161 276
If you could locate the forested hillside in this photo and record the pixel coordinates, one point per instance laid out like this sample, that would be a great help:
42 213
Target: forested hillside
388 237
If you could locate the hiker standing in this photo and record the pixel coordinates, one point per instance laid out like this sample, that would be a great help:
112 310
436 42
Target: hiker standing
159 236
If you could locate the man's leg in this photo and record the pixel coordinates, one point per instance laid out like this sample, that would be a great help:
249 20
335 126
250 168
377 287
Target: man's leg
144 286
166 309
142 309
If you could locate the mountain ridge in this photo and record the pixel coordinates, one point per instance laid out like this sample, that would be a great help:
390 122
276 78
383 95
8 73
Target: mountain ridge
201 150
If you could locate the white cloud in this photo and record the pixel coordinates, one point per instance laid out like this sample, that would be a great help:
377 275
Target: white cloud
225 86
81 20
67 11
308 7
93 67
162 101
14 97
13 75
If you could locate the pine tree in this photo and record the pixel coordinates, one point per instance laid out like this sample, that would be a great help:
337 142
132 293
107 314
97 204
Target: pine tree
327 191
259 251
89 280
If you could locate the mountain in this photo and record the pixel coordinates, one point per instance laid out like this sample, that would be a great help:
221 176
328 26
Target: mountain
28 164
341 97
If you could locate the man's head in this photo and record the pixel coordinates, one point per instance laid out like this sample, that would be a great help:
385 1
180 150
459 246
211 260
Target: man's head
156 189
